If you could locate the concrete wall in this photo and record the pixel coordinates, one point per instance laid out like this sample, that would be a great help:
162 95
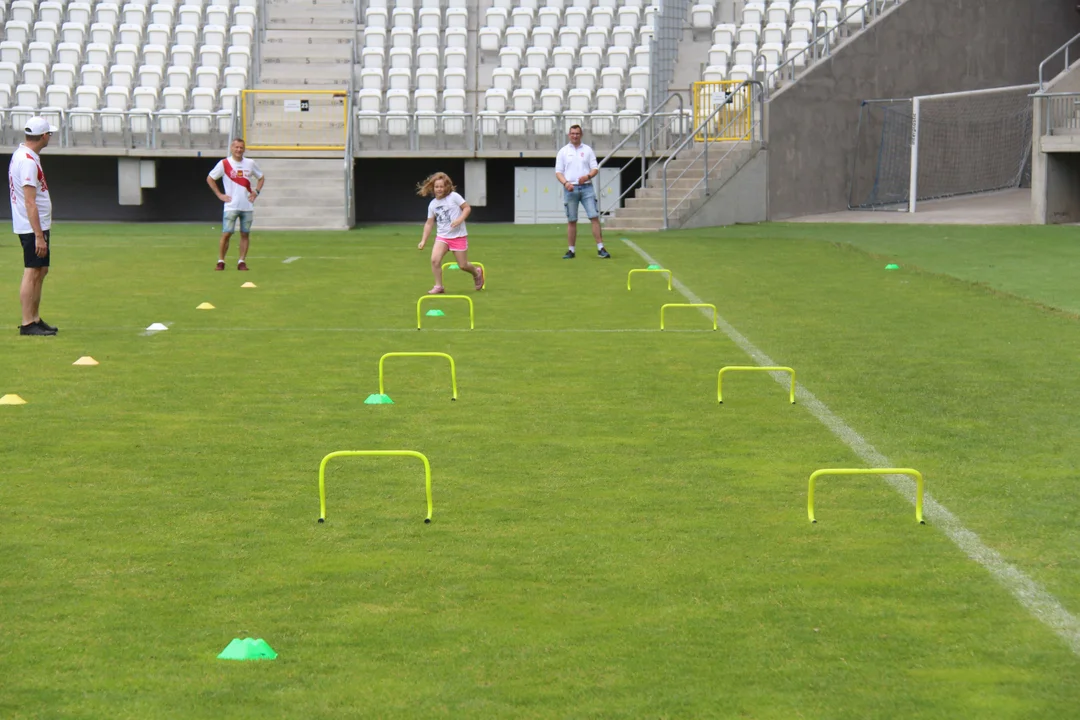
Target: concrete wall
739 200
921 47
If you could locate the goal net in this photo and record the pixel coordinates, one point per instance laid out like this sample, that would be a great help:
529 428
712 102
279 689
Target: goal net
294 119
938 146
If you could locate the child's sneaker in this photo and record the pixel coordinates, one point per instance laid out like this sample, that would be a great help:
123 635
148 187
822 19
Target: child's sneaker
437 290
478 276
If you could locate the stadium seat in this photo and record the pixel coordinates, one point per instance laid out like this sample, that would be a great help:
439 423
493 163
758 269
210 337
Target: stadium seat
241 36
453 78
745 54
400 58
549 17
371 79
145 98
496 18
753 13
12 52
577 18
133 14
397 112
122 76
402 38
425 104
701 17
563 57
57 97
79 13
178 77
427 79
155 55
46 32
214 35
558 78
522 17
17 31
102 34
107 13
373 58
429 18
510 57
211 56
429 38
591 57
63 75
235 78
531 79
831 9
524 100
189 15
551 100
579 100
125 54
22 11
375 38
495 100
801 33
585 78
244 17
619 58
803 11
612 78
403 18
641 56
38 52
778 12
638 77
719 55
370 100
772 52
207 77
203 99
9 74
570 37
749 34
503 78
149 76
217 15
28 96
428 58
162 14
92 75
182 56
604 17
635 99
623 36
536 58
455 58
714 73
117 97
457 17
158 35
74 33
376 18
399 79
597 37
5 96
543 37
517 38
174 98
795 51
489 39
629 16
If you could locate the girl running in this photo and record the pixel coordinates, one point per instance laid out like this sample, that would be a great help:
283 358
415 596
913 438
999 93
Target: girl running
448 212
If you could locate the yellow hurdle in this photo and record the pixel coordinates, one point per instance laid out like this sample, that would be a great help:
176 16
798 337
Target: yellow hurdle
648 270
868 471
752 368
472 324
453 369
455 266
369 453
688 305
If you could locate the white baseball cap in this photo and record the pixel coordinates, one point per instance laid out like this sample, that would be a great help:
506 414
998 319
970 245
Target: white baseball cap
39 126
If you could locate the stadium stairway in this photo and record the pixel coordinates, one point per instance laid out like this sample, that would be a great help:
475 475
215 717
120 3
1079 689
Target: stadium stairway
645 211
302 194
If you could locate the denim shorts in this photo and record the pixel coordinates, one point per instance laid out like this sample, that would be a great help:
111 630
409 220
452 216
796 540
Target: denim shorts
584 194
228 220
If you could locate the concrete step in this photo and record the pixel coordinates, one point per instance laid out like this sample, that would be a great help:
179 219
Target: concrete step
657 193
314 71
625 224
302 193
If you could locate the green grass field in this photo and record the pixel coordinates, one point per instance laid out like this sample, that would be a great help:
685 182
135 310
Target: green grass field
607 540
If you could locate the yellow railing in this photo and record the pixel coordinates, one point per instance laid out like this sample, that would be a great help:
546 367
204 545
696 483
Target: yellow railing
734 122
294 119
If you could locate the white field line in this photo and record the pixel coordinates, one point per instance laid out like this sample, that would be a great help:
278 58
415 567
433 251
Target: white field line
510 331
1037 601
288 260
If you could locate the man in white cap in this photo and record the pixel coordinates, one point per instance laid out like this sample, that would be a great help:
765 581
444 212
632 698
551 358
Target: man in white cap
31 218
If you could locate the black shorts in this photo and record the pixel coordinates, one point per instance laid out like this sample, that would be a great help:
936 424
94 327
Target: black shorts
30 258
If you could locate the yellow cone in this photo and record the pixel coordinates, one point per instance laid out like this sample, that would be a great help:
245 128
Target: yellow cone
86 360
12 400
205 306
249 284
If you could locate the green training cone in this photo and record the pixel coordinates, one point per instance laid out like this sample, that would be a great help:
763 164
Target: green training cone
892 266
655 267
452 266
435 313
248 649
377 399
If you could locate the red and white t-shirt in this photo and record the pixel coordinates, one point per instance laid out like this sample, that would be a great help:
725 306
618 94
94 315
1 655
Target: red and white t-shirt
239 180
24 170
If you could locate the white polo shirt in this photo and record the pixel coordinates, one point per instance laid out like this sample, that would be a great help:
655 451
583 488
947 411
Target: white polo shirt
575 162
25 170
238 181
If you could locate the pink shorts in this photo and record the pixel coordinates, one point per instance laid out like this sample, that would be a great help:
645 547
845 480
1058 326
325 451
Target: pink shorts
455 244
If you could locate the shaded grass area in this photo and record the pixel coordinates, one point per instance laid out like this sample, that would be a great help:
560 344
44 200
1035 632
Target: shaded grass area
607 541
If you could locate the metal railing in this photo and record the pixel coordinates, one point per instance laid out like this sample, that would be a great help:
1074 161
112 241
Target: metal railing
825 38
755 127
1060 112
648 132
1064 49
350 119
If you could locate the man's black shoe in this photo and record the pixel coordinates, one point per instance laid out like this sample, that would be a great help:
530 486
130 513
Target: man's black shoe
602 252
47 326
569 255
34 329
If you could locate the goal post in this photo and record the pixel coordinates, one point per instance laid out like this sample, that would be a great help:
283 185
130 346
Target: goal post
294 119
928 147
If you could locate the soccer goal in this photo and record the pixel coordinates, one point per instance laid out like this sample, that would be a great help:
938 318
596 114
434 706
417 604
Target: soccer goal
938 146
